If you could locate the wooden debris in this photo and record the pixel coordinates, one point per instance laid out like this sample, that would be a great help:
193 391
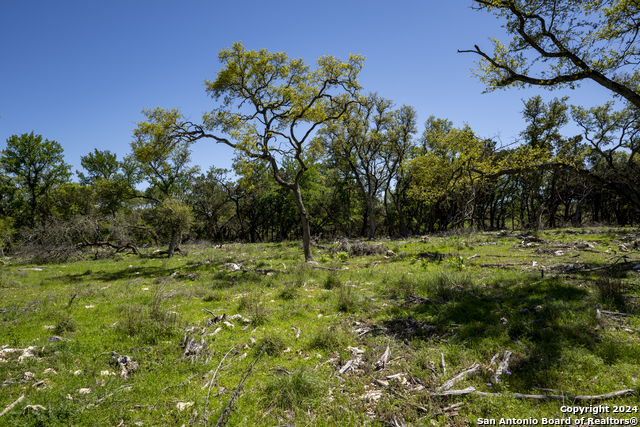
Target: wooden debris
213 381
503 367
614 313
297 331
126 364
10 407
383 360
444 367
193 348
597 398
414 299
381 383
473 370
34 408
226 413
346 367
494 358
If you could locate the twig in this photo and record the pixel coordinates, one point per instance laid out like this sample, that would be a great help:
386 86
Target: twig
474 369
224 418
444 367
213 379
71 300
325 268
178 385
625 266
613 313
102 399
10 407
597 398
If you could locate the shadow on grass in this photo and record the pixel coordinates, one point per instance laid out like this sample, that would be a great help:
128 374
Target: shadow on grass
541 320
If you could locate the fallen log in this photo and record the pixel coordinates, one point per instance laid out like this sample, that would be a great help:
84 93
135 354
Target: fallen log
596 398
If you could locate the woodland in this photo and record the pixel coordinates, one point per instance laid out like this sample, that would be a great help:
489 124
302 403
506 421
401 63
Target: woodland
317 155
354 267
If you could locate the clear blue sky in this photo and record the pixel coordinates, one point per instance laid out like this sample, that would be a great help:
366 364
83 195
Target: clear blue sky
80 72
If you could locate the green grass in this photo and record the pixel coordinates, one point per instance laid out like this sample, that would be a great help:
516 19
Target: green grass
421 305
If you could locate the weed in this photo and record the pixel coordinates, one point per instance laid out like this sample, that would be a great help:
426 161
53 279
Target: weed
349 300
273 344
610 291
148 325
327 339
324 258
212 296
64 323
253 306
289 292
289 391
456 262
402 287
332 281
341 256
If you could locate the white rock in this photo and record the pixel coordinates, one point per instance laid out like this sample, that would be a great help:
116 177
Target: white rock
84 391
184 405
78 372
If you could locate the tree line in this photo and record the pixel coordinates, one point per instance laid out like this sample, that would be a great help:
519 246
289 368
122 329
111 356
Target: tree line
317 156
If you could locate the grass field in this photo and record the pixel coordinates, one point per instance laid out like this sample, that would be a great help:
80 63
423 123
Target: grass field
354 340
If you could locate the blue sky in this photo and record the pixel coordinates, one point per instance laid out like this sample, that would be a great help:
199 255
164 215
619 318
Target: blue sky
80 72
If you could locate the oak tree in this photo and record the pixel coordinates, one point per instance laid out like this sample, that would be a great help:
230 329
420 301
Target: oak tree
270 106
558 43
37 165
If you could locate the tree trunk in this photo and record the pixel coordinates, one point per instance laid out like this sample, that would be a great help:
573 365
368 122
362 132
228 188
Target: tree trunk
372 219
403 225
173 243
304 218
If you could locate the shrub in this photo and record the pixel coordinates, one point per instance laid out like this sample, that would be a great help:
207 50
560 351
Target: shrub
348 300
64 323
341 256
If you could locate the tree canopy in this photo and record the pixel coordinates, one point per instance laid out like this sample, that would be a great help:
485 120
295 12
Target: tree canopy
562 42
270 105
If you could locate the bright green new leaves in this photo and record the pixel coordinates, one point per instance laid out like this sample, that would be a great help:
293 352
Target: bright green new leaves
449 162
265 97
175 215
160 157
270 106
560 42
